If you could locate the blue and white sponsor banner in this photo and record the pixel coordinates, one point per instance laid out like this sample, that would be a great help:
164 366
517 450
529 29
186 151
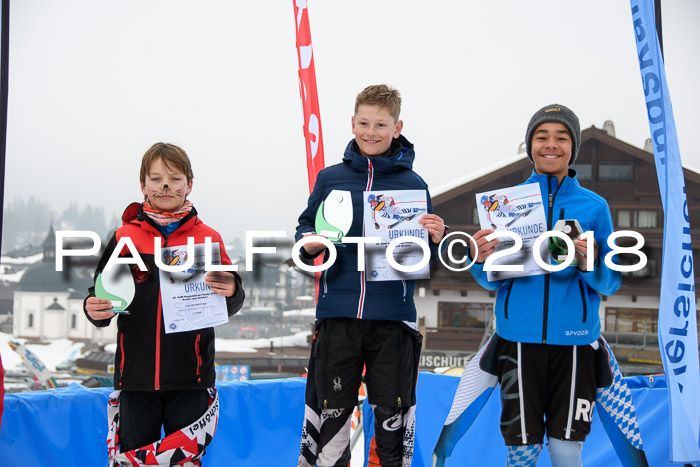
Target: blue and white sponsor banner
232 372
678 340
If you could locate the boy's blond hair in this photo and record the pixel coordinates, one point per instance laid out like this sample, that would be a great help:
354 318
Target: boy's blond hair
380 95
173 157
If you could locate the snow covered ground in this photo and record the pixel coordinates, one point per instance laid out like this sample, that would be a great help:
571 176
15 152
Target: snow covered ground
9 263
33 259
357 458
53 353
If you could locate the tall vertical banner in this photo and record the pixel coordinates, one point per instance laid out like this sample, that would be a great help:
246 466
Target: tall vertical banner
678 340
309 94
309 103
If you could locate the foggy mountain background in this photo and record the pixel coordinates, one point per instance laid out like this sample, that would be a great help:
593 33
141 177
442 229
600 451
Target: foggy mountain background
26 221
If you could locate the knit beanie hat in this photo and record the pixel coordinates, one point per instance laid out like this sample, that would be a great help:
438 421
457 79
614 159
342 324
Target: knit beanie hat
560 114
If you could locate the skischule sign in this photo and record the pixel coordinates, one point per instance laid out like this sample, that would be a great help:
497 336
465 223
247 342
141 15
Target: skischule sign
431 359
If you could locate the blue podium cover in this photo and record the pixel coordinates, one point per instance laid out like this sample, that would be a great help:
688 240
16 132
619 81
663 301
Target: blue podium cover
260 425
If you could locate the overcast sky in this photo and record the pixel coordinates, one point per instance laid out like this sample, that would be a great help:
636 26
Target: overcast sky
94 83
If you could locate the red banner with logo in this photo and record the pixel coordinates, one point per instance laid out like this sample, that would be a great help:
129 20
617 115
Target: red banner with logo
309 95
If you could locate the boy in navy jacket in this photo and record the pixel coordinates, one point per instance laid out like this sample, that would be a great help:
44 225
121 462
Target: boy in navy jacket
360 323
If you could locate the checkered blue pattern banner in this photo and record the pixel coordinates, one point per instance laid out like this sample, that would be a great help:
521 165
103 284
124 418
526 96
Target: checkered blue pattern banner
523 456
616 400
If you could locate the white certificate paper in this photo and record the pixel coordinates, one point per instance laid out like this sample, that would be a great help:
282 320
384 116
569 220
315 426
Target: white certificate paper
188 303
390 215
519 209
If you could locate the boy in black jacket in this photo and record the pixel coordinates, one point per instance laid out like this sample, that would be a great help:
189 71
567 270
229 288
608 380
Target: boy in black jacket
161 379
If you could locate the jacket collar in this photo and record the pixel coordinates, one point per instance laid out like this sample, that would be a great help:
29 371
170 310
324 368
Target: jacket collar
134 214
400 157
550 184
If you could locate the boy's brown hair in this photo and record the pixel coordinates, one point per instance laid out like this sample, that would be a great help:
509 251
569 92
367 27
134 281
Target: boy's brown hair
173 157
380 95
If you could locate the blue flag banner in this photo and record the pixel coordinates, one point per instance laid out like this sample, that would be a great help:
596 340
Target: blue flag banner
677 328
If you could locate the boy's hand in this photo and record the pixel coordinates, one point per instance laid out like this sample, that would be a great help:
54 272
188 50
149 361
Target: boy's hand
581 247
221 282
486 248
435 226
312 248
97 308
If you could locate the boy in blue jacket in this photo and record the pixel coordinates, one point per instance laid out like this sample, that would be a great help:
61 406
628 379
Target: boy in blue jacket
360 323
547 326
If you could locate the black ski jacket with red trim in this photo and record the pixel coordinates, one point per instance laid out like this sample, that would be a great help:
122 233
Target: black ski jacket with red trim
148 359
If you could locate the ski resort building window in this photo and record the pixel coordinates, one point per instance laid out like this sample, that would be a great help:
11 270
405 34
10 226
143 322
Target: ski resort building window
643 219
646 219
617 172
584 172
464 315
633 320
475 216
30 320
649 270
73 321
624 218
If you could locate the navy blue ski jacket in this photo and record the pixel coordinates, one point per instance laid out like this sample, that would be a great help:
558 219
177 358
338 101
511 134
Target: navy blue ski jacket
560 308
344 291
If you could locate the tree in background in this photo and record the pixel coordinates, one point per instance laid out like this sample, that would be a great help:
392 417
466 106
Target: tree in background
26 222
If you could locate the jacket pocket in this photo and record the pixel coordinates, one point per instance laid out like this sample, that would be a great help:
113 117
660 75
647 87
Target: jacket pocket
198 356
121 362
583 300
319 361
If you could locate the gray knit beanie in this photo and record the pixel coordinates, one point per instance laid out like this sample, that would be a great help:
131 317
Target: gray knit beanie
555 113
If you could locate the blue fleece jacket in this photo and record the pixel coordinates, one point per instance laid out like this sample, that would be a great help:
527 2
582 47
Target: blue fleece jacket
560 308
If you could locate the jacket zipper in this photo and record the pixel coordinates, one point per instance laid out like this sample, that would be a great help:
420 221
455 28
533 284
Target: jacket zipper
325 282
199 357
156 384
403 282
583 301
363 279
121 363
505 306
545 311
